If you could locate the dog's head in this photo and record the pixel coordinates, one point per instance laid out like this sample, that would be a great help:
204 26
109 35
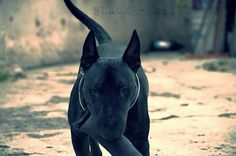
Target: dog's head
110 85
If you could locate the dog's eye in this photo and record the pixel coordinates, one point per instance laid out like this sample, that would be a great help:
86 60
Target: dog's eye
94 92
123 90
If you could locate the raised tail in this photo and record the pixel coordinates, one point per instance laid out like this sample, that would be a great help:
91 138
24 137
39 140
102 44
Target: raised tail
101 35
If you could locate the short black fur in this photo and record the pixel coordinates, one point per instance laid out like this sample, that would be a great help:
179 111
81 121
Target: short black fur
108 87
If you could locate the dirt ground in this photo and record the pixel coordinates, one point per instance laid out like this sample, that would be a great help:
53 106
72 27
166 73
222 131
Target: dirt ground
192 110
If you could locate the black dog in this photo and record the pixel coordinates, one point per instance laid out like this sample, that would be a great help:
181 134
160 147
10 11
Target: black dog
112 86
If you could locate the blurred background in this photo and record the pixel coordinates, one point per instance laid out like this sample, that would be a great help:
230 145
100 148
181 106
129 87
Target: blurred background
35 33
188 53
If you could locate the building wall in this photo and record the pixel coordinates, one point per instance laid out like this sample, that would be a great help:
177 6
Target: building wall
167 19
231 38
35 33
173 21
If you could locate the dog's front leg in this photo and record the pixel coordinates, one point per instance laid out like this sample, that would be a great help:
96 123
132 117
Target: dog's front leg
137 128
80 142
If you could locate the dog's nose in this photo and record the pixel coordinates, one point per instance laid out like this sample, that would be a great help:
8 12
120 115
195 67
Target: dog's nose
113 121
108 111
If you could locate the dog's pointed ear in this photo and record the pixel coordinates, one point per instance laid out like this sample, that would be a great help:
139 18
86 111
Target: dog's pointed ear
90 54
132 53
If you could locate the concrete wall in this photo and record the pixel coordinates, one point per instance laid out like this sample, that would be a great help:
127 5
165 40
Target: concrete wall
173 21
232 37
167 19
40 32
